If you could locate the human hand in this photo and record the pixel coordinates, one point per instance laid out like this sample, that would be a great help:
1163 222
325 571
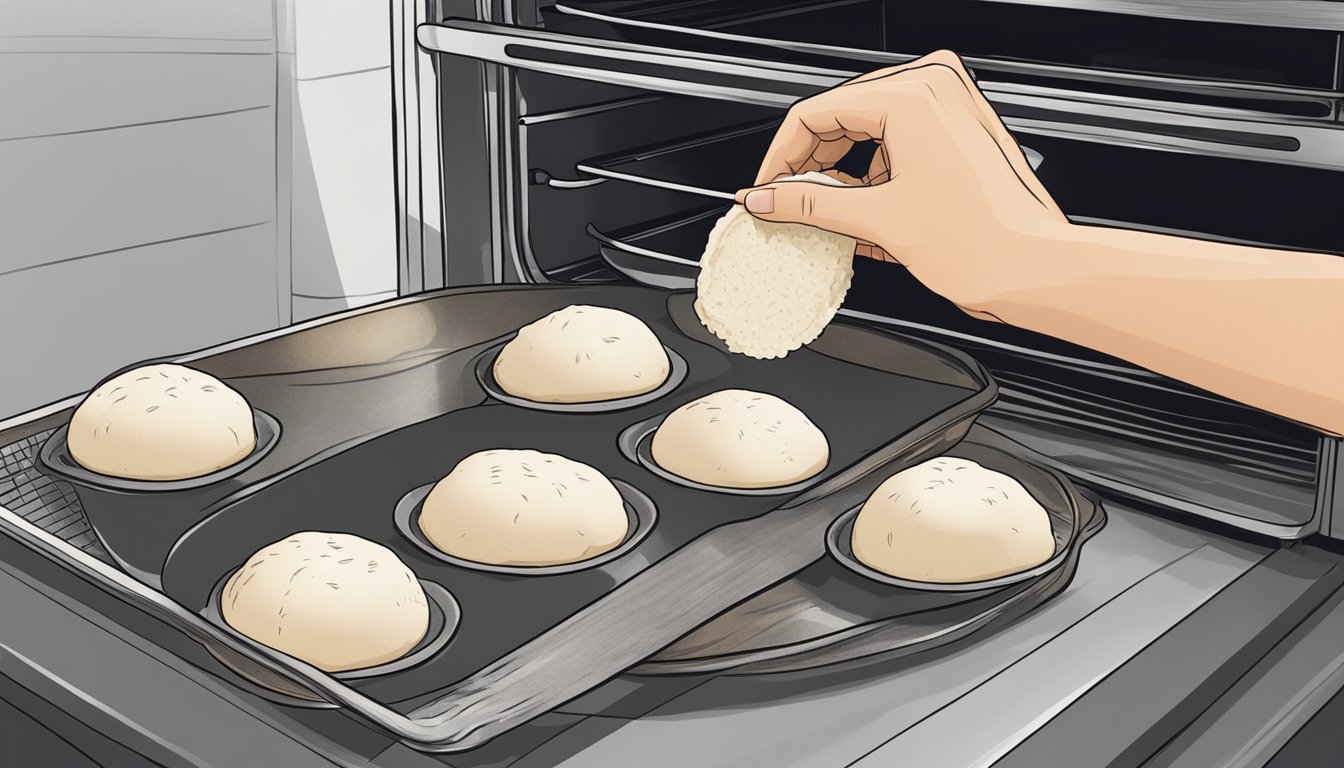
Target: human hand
948 193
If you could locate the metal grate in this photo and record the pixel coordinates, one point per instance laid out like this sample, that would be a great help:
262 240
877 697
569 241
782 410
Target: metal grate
50 504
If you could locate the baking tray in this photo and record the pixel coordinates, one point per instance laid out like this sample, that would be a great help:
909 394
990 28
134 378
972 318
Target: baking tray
829 614
357 491
901 400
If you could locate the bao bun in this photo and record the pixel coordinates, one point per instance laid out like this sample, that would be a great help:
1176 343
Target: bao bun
582 354
336 601
736 438
524 508
161 422
950 520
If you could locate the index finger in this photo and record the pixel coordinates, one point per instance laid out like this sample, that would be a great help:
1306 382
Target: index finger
813 120
828 116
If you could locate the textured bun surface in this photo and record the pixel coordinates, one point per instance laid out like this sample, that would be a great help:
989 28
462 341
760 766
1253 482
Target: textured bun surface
161 422
767 288
582 354
736 438
950 520
524 508
336 601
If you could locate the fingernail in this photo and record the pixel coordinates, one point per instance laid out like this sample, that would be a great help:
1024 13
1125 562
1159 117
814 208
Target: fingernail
760 201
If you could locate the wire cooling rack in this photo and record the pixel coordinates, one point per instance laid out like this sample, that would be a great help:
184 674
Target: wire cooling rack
47 503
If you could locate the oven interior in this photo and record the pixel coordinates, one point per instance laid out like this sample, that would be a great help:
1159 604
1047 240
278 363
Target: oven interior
589 171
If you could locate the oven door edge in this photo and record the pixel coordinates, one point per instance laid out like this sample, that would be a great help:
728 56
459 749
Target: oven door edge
1238 134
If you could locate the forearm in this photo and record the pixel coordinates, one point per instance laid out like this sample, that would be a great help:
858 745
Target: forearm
1256 325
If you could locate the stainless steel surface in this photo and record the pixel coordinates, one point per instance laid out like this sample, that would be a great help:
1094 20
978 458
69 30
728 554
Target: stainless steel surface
1041 688
1141 576
1263 711
1156 82
1298 14
675 71
1331 494
777 84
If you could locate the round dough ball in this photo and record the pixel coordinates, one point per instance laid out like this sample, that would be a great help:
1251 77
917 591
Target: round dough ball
582 354
736 438
161 422
950 520
524 508
334 600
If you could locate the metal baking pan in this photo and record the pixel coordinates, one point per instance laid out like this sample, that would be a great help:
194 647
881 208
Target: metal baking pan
883 400
828 613
358 490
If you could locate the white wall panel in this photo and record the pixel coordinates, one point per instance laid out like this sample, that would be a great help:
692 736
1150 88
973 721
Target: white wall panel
48 93
332 37
72 195
199 19
69 324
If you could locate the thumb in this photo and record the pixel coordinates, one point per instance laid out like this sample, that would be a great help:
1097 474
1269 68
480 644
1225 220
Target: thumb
834 208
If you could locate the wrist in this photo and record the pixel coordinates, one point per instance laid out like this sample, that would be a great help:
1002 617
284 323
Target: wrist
1025 262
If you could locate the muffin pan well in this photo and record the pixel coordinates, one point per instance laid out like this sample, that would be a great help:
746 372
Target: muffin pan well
56 459
363 438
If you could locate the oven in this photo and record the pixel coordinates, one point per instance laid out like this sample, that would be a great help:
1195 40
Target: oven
613 134
594 143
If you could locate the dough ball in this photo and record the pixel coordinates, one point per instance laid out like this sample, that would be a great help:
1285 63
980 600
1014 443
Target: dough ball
767 288
736 438
524 508
582 354
161 422
950 520
334 600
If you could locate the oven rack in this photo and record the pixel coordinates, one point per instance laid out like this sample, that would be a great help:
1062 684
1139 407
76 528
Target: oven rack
736 28
41 500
